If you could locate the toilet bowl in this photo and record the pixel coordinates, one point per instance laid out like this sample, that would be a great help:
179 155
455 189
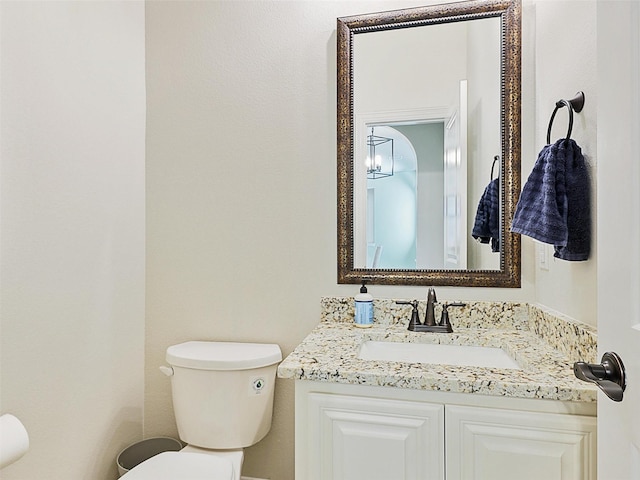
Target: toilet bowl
223 401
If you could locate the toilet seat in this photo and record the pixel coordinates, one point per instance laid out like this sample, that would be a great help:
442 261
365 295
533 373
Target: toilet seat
182 465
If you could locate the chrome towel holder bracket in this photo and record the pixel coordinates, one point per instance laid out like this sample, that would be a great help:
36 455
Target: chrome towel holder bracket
576 104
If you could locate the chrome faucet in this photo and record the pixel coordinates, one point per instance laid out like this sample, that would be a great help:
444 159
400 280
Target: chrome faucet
430 325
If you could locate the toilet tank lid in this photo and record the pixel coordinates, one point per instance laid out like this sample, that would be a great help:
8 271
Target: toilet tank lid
223 355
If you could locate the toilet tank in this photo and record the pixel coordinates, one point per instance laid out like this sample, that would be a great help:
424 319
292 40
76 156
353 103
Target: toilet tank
223 392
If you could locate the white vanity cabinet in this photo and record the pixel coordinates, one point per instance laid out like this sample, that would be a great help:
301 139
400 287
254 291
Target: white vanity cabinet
500 444
353 437
354 432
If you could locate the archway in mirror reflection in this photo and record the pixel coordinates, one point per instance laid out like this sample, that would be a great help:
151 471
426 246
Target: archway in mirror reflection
397 235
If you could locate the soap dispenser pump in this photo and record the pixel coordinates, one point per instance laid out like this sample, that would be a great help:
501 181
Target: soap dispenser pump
364 307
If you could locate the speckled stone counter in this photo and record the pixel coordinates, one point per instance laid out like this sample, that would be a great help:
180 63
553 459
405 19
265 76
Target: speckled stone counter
542 342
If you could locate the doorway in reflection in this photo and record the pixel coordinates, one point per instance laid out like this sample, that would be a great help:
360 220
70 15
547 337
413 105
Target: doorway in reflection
405 221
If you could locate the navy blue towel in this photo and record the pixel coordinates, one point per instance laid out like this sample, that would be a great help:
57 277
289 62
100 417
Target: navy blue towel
486 227
555 204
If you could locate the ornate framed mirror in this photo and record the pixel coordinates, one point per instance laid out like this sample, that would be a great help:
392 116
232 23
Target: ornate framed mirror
429 145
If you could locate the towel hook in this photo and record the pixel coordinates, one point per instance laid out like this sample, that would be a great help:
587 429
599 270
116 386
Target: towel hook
575 104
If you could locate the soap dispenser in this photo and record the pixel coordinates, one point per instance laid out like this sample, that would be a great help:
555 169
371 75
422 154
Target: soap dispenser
364 308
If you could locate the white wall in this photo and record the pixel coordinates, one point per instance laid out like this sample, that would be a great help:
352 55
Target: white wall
483 134
563 66
396 65
72 226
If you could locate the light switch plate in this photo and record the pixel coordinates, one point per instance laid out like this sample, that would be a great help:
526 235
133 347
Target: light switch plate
543 256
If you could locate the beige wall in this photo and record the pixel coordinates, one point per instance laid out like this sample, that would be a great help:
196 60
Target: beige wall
240 192
241 180
564 66
72 226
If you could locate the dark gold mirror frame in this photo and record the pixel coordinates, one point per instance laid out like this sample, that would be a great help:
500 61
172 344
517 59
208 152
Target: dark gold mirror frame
509 12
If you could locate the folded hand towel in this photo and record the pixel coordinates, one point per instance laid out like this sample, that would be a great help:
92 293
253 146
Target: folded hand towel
555 205
486 227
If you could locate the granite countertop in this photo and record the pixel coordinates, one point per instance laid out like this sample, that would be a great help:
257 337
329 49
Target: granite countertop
330 354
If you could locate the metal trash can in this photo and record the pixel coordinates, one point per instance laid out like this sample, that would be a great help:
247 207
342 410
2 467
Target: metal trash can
140 451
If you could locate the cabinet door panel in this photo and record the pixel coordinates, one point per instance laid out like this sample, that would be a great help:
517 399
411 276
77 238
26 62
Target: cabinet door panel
485 443
362 438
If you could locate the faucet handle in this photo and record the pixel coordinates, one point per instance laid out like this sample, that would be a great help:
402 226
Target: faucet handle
415 316
444 318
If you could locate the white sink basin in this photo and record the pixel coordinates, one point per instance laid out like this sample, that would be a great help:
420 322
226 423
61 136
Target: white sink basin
442 354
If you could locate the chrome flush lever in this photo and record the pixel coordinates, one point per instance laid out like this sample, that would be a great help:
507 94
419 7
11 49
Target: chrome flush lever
609 376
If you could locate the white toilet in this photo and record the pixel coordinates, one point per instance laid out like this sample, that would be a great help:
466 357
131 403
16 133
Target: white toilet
223 402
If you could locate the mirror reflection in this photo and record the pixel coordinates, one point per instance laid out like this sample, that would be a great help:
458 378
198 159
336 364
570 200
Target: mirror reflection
427 128
428 99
